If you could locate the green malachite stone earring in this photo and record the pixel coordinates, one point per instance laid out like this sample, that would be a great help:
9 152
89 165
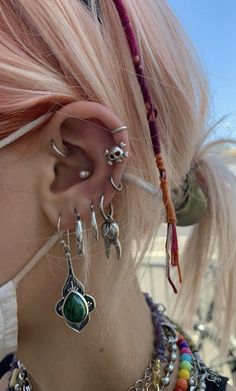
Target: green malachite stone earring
75 305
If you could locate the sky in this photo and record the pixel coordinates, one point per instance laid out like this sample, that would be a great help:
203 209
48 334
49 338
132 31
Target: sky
211 25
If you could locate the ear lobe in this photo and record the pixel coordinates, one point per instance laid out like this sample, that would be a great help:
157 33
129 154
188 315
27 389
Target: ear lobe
85 129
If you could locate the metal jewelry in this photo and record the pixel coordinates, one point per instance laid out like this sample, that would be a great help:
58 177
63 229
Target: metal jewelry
85 174
120 129
117 188
75 305
116 154
20 378
64 154
110 231
94 222
79 234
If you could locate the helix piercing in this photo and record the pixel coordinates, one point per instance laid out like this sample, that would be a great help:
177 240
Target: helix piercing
64 154
79 234
117 188
85 174
116 154
94 222
120 129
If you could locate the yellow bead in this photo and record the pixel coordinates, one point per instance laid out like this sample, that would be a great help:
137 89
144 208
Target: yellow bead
184 374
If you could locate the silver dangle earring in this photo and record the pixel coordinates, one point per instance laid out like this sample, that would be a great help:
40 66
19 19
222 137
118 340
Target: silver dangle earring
75 305
79 234
94 222
64 154
110 231
116 154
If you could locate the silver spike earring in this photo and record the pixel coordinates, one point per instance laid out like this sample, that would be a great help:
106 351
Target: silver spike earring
110 231
64 154
79 234
75 305
94 222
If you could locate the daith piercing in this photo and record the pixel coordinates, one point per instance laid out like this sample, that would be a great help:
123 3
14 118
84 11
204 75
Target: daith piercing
116 154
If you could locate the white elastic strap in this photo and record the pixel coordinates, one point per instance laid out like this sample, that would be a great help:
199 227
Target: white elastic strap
43 250
23 130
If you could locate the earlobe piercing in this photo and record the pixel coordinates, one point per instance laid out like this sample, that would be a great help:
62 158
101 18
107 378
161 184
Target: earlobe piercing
64 154
79 234
120 129
117 188
116 154
85 174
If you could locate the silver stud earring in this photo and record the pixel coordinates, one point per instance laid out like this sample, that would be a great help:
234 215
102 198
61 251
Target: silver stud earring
110 231
116 187
79 234
116 154
75 305
94 222
85 174
64 154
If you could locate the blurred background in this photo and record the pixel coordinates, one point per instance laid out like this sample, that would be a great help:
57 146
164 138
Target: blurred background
211 27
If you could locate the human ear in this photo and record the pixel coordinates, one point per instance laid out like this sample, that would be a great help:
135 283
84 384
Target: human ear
84 128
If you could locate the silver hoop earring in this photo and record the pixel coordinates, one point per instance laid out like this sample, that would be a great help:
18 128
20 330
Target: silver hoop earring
110 231
94 222
120 129
75 305
79 234
116 154
64 154
117 188
85 174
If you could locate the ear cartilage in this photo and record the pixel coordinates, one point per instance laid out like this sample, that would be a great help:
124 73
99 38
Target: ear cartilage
116 154
85 174
64 154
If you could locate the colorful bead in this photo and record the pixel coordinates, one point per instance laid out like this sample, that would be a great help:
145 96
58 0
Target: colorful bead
183 344
182 384
185 365
184 374
186 357
185 350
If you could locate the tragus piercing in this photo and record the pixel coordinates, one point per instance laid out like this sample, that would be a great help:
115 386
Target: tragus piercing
116 187
94 222
110 231
120 129
75 305
116 154
64 154
85 174
79 234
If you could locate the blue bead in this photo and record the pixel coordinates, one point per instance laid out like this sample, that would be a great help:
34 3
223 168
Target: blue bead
186 357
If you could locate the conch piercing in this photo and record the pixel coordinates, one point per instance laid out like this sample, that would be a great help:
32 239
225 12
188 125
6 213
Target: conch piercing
75 305
120 129
85 174
79 234
94 222
64 154
116 154
117 188
110 231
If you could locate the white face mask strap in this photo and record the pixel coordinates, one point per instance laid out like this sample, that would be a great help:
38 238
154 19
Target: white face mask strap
23 130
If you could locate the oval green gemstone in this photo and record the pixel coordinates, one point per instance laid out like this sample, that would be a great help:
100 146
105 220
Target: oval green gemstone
75 308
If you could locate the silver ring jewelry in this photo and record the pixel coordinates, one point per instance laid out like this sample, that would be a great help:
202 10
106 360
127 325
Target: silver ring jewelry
117 188
94 222
64 154
110 214
120 129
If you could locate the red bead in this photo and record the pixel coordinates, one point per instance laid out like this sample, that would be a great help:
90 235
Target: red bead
185 350
182 384
177 389
181 339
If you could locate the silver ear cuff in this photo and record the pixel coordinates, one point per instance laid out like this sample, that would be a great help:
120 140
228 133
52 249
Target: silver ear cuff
64 154
79 235
117 188
120 129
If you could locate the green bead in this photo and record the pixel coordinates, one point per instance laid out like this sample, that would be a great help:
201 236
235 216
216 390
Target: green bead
75 308
185 365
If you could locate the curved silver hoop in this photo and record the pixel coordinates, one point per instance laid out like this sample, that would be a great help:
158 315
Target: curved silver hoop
60 153
110 215
63 242
120 129
117 188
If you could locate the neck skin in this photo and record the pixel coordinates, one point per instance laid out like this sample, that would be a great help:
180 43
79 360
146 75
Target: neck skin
104 356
